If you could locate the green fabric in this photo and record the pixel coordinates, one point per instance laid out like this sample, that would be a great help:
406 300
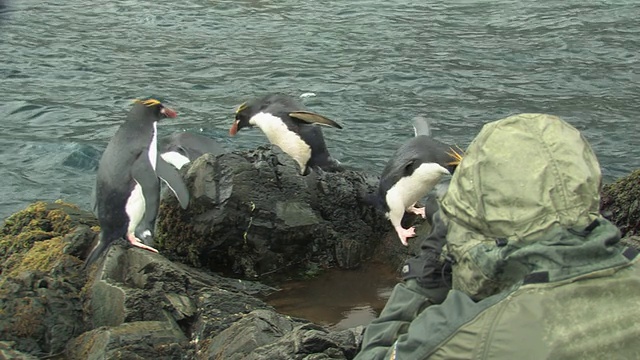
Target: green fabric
591 317
406 301
589 308
520 177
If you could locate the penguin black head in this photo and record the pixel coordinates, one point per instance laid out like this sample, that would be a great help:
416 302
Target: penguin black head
244 113
153 109
278 105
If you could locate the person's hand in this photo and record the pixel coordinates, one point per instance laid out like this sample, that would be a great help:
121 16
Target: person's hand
429 269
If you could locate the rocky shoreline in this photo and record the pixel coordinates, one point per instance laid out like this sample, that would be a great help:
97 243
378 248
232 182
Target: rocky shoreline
251 217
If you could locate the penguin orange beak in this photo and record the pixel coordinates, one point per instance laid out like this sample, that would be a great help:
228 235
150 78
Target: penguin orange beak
234 128
170 113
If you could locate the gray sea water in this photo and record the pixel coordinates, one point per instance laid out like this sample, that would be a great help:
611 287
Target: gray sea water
69 70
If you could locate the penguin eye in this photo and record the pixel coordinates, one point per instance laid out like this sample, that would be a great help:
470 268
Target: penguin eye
241 116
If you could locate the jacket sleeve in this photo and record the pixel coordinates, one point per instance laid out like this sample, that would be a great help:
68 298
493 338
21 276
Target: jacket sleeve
427 282
405 303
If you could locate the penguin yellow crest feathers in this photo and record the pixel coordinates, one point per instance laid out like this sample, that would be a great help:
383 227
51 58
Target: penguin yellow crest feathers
455 155
241 107
148 102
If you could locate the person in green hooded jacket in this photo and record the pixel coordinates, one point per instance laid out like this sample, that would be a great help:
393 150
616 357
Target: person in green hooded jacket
519 263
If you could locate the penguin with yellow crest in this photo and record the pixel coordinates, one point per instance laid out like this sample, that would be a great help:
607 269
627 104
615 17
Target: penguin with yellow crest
127 189
288 125
412 172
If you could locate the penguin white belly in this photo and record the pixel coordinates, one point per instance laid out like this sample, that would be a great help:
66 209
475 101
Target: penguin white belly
135 208
153 147
410 189
175 158
278 134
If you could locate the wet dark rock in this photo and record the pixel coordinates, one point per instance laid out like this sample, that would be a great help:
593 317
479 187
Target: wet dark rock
620 203
8 352
141 305
137 286
265 334
251 214
258 328
134 340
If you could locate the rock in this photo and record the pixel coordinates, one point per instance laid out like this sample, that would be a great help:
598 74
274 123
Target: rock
265 334
312 342
41 308
633 241
258 328
41 222
142 305
134 286
8 352
135 340
251 214
620 203
138 303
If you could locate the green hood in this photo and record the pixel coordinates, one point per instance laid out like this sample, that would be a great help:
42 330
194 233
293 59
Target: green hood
521 178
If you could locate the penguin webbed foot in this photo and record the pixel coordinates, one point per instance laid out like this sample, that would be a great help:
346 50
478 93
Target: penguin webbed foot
145 236
418 211
404 234
134 241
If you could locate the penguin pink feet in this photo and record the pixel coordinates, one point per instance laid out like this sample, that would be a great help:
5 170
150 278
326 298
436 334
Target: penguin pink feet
418 211
137 243
404 234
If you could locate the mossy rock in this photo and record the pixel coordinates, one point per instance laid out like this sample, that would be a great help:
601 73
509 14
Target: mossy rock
174 220
41 275
621 203
42 256
32 239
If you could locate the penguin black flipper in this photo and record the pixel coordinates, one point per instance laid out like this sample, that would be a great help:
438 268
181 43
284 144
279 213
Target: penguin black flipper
174 181
313 118
144 175
166 172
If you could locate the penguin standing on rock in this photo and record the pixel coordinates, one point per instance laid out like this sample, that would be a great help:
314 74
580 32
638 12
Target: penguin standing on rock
413 170
288 125
127 190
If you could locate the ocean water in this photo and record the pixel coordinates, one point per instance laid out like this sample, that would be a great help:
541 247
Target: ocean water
69 70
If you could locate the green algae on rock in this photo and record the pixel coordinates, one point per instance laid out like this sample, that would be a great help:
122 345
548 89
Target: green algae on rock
31 239
620 202
40 246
